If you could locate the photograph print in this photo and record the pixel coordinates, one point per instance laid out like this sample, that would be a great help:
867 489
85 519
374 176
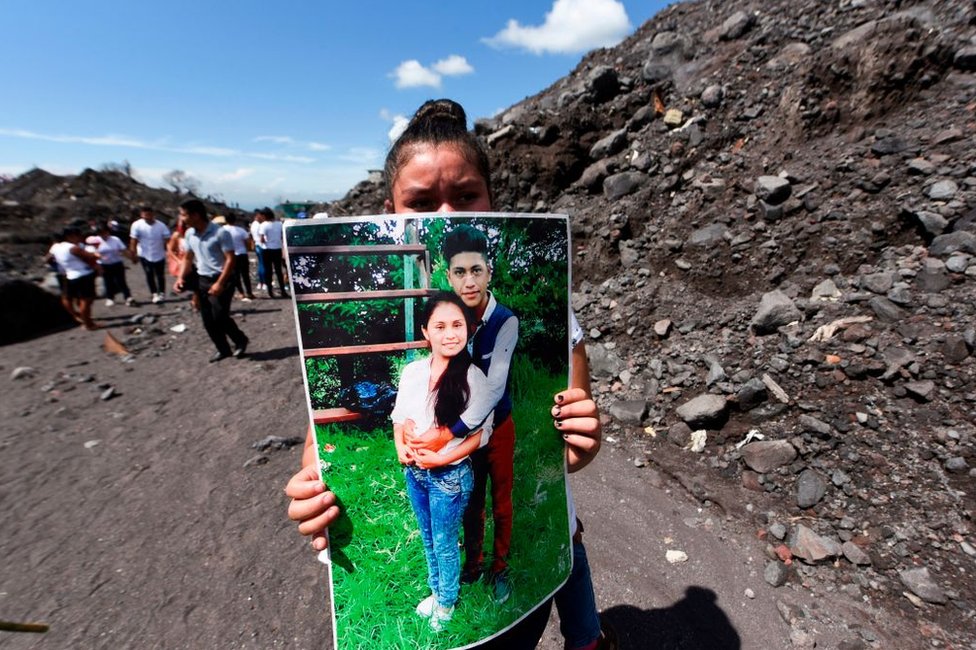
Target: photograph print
432 347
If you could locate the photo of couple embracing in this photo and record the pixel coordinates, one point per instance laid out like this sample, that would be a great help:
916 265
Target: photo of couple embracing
432 348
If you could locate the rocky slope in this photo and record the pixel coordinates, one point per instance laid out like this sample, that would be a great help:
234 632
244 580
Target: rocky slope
774 220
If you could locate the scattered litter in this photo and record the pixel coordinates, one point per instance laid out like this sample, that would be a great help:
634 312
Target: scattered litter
329 448
23 372
179 329
114 346
674 557
324 557
107 394
697 442
749 593
775 389
650 431
610 439
752 435
91 443
915 600
826 332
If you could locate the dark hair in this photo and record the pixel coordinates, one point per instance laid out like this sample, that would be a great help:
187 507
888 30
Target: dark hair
464 239
146 208
437 121
194 206
268 214
231 219
71 231
452 388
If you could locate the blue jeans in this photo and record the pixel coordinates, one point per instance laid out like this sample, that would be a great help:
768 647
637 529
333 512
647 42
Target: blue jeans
579 621
438 497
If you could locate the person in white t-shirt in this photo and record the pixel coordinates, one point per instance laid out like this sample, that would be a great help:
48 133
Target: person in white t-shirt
147 240
259 248
110 251
272 240
79 268
242 265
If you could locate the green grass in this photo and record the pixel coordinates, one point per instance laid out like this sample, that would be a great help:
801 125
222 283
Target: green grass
379 573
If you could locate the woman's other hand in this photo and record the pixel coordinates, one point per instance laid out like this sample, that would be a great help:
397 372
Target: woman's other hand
577 418
312 505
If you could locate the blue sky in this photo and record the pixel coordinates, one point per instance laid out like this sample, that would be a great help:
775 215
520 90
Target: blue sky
261 101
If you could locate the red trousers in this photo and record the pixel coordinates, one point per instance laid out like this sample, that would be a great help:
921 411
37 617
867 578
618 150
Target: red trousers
496 461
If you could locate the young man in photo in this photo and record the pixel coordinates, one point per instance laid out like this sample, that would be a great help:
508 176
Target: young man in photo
210 249
147 240
465 250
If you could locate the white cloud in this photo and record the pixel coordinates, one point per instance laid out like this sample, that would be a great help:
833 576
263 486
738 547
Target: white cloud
365 156
237 174
570 27
453 66
400 123
318 146
133 143
410 74
277 139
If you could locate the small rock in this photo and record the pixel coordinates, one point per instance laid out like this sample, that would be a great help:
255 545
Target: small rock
675 557
957 465
920 583
673 118
276 442
260 459
751 395
107 394
775 309
662 328
810 489
855 554
921 390
679 434
766 455
776 573
703 410
773 189
736 25
91 443
749 593
712 96
965 58
811 547
886 310
943 190
629 411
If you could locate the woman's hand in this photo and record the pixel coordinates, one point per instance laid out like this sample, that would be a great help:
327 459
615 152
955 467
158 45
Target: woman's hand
427 459
312 505
576 416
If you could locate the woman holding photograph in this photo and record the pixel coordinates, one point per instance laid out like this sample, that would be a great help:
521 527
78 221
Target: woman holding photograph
435 391
437 165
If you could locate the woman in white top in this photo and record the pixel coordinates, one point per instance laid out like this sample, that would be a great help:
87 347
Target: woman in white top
110 251
436 391
79 268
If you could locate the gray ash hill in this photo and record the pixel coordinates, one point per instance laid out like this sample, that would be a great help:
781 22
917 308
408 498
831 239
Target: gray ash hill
773 209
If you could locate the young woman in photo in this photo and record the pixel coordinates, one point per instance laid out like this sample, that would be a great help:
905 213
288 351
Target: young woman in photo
437 390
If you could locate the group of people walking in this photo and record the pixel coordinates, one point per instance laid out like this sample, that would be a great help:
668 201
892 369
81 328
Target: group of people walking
210 258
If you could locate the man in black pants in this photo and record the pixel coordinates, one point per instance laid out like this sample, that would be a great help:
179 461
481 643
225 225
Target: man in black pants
147 239
210 249
273 241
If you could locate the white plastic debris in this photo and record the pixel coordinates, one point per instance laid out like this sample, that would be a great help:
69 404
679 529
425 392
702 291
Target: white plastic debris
91 443
697 443
676 557
752 435
179 329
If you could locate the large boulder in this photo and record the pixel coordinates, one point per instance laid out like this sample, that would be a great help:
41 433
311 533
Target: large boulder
29 311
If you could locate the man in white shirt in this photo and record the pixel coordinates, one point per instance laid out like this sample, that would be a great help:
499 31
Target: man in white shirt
242 265
259 249
147 240
273 241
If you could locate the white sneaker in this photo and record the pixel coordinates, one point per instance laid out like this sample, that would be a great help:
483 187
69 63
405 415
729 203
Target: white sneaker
157 298
109 302
426 607
130 301
441 617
